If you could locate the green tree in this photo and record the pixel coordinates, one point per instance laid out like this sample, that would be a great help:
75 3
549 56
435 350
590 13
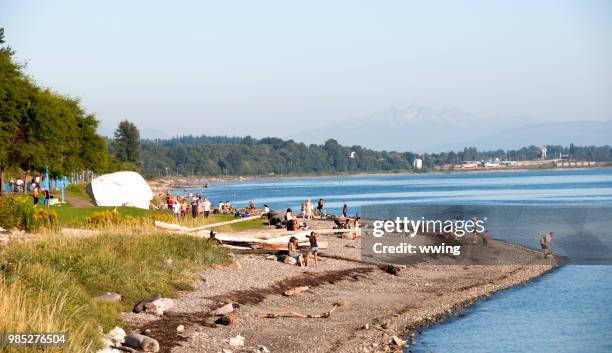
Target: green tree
126 145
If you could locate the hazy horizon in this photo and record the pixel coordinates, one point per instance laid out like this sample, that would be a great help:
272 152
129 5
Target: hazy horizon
280 69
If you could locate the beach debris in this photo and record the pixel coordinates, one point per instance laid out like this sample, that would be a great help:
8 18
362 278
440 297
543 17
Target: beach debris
225 350
142 342
180 329
225 309
295 314
365 327
116 336
228 319
262 349
295 291
109 297
141 305
384 326
159 306
271 257
236 341
391 269
398 342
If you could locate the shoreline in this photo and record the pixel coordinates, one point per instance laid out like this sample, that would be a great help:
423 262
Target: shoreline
421 295
162 183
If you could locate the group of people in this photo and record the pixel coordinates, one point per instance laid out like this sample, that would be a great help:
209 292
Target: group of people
308 210
313 250
196 204
16 185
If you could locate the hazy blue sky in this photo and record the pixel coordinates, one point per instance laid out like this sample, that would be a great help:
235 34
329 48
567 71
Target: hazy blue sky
270 67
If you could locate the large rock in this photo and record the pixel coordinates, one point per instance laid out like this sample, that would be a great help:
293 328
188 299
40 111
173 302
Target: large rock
141 305
142 342
116 336
159 307
228 319
225 309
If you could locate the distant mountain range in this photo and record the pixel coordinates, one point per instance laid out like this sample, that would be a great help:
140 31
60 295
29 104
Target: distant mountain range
422 129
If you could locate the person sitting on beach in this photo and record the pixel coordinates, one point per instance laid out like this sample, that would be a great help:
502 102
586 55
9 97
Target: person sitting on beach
291 220
294 252
314 249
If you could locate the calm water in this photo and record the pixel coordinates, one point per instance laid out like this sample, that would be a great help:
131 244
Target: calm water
568 310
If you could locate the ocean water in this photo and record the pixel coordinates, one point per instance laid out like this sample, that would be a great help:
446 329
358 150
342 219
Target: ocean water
567 310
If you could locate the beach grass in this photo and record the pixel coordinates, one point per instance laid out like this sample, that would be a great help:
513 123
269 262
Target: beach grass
50 284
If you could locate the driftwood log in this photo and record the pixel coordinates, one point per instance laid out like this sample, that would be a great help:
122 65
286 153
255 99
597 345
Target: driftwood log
299 315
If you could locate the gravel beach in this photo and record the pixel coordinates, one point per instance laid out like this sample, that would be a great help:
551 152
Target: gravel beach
371 305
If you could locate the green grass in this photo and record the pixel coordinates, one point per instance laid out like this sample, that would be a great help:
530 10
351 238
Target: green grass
69 216
62 276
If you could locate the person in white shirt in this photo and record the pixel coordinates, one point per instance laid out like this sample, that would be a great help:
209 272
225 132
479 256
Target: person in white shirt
207 205
176 208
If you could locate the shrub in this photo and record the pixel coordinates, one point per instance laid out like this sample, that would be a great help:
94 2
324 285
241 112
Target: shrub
20 213
44 217
103 218
10 216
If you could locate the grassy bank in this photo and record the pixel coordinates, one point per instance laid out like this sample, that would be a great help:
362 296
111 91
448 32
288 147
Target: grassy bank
49 285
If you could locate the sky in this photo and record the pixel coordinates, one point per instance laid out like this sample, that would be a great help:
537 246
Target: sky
275 68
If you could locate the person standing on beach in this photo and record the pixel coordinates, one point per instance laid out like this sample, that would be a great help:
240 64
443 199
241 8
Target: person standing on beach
320 206
314 249
485 238
176 209
207 205
308 209
194 207
546 243
35 194
345 210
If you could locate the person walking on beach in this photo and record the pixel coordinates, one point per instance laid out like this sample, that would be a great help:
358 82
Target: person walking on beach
485 238
345 210
314 249
546 243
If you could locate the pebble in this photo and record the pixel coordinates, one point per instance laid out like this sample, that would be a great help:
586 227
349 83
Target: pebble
236 341
180 328
225 309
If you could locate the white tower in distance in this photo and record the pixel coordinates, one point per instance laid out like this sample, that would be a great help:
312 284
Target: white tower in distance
543 149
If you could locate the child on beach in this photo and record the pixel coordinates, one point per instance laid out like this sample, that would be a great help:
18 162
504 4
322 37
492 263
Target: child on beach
314 249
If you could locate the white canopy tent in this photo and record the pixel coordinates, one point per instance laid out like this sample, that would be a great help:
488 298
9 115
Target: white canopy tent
121 189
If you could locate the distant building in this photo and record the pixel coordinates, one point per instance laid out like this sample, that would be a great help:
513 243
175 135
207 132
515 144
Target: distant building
418 163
